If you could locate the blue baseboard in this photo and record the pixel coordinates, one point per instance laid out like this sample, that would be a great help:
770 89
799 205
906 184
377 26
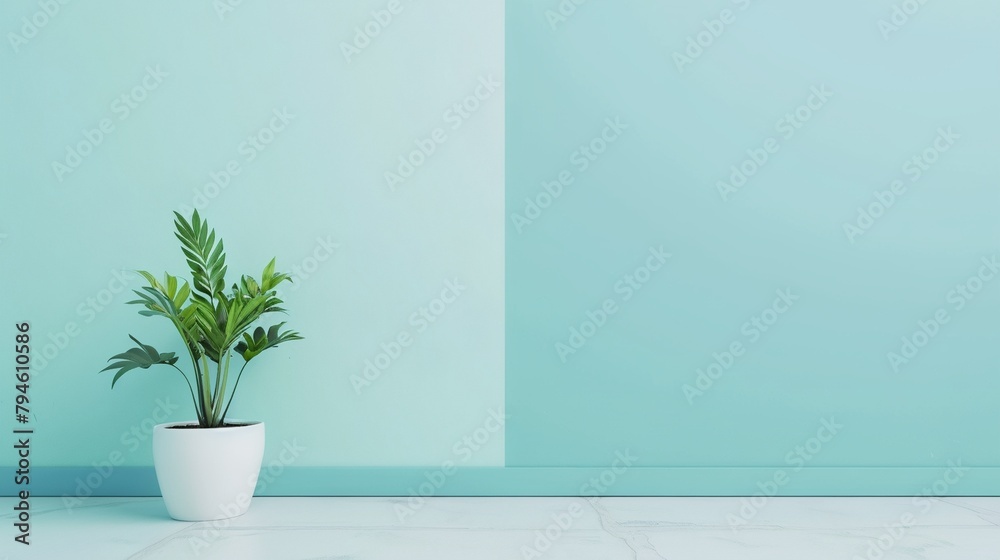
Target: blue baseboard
541 481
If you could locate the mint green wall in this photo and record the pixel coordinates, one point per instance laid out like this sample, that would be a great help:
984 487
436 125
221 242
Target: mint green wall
640 233
318 189
834 301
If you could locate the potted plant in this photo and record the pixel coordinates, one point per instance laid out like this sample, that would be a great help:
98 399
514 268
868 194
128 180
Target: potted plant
207 469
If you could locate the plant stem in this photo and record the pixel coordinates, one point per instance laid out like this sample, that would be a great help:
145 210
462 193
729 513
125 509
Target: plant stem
221 388
235 386
206 390
191 390
200 406
215 390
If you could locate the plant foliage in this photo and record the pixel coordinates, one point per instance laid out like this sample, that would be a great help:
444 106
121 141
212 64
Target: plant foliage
212 323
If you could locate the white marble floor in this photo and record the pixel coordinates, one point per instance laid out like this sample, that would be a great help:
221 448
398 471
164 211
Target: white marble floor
518 528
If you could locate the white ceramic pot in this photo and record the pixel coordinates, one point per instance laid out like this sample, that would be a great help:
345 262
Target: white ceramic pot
207 473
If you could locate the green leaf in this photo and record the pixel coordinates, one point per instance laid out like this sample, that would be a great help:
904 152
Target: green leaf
205 254
182 295
261 340
149 278
144 356
250 285
171 285
265 277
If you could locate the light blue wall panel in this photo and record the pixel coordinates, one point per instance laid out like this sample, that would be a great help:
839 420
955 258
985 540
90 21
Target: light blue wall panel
827 197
